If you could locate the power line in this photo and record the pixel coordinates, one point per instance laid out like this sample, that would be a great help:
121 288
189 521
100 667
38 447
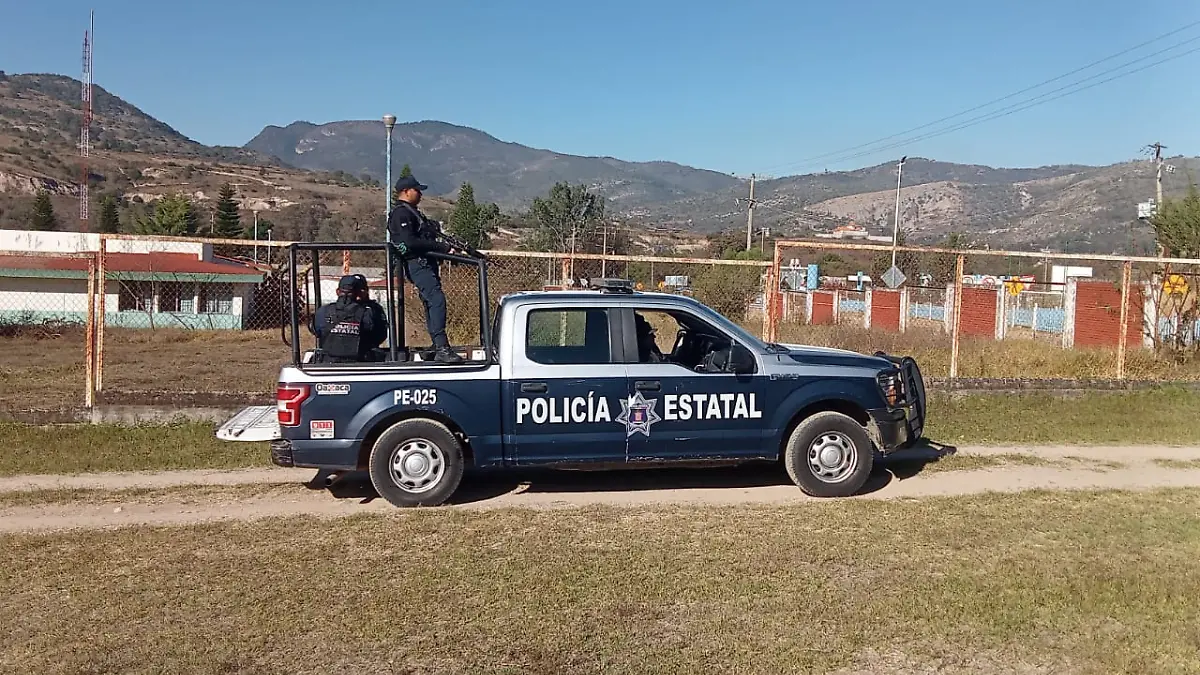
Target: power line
998 100
1026 104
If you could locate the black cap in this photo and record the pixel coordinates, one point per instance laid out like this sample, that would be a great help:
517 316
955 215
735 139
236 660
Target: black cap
410 183
351 283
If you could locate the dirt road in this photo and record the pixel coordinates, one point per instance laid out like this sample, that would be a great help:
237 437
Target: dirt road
189 497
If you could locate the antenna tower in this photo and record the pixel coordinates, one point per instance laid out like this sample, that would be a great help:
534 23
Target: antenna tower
85 142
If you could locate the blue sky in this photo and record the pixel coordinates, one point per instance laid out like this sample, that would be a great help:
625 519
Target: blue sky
760 86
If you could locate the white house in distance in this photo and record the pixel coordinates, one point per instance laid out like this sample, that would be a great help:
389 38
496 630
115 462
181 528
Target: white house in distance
149 284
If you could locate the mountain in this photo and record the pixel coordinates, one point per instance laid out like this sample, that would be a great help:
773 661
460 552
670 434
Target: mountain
444 156
324 180
139 159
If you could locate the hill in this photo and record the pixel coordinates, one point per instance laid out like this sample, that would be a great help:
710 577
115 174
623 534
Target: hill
324 180
510 174
138 159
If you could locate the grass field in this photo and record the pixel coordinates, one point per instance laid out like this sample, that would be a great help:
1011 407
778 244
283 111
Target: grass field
49 373
1162 417
103 447
1040 582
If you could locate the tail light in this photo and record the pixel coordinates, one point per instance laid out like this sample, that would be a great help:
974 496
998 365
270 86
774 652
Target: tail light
289 397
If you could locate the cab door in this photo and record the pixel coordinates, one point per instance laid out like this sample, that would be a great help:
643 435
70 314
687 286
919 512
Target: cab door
689 415
565 382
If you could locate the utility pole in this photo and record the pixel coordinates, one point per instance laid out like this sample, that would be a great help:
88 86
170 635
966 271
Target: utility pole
896 222
1158 188
750 217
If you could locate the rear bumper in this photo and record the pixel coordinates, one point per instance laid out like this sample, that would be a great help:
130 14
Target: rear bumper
340 454
281 453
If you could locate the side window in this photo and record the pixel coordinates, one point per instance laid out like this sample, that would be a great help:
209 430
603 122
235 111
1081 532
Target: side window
680 339
568 336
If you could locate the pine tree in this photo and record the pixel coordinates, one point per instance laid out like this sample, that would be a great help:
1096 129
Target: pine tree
110 217
471 222
406 171
44 218
173 215
228 221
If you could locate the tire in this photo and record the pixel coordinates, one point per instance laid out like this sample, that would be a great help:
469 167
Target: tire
429 460
848 452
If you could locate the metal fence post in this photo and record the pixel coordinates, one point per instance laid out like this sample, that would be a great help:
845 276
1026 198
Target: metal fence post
954 330
1126 273
101 312
89 354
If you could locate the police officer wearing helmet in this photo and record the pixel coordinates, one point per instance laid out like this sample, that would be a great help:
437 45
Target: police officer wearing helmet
349 329
419 236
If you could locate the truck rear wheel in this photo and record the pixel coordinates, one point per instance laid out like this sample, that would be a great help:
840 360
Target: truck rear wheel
416 462
829 455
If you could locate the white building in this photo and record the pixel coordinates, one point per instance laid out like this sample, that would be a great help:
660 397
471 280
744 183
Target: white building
147 283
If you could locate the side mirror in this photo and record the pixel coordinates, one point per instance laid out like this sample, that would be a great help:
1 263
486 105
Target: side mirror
741 361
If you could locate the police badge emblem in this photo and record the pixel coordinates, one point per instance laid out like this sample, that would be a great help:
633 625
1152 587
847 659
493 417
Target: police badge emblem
637 414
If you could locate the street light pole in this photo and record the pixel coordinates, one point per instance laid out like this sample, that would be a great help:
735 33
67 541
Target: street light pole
389 121
896 222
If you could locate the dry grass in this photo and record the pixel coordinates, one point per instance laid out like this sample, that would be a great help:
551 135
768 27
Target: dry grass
1039 582
90 448
1179 463
49 373
1164 417
1021 357
178 495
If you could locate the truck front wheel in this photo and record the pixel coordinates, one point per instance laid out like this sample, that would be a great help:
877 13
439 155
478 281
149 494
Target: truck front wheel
829 455
416 462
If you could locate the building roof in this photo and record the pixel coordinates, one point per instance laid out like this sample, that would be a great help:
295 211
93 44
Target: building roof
131 266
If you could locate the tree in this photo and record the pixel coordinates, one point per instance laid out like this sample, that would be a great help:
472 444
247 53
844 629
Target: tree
173 215
110 216
228 222
1177 225
569 218
908 262
44 218
471 222
944 264
406 171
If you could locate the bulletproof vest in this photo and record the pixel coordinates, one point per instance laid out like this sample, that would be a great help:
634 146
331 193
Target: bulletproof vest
424 228
343 336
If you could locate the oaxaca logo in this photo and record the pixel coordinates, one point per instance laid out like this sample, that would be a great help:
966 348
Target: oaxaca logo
637 413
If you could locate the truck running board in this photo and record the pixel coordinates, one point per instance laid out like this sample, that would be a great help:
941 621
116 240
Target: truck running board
254 424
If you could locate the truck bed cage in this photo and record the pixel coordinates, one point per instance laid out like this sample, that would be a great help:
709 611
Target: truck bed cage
394 274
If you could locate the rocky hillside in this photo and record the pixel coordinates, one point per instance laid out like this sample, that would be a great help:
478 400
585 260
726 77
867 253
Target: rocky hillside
325 180
139 159
445 155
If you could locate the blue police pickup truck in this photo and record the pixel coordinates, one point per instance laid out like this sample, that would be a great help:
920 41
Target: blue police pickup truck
595 379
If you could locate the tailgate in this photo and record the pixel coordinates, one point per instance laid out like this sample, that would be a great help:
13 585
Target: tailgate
256 423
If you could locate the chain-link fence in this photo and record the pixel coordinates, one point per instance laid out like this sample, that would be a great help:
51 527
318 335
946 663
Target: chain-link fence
994 314
44 328
183 316
180 315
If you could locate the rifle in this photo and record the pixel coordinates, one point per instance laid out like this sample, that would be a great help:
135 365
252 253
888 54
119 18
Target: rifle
455 242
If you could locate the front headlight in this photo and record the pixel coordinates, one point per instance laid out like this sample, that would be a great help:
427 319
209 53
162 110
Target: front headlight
891 386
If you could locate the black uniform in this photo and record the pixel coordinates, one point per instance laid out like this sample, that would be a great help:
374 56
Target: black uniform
352 327
418 234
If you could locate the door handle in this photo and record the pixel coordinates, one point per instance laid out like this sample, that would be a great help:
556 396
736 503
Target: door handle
642 385
535 387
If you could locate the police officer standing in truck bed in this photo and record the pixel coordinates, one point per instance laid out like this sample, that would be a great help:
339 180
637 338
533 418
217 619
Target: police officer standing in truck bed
418 234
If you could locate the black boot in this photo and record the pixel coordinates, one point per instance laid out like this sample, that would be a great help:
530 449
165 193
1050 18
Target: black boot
447 355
